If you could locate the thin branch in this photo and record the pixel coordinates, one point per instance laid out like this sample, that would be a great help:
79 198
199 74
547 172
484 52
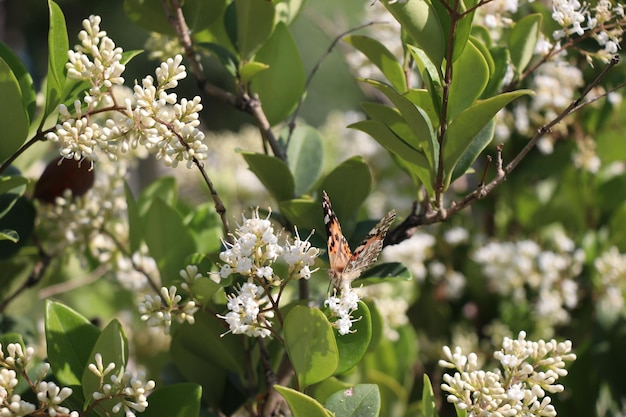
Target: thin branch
243 101
316 67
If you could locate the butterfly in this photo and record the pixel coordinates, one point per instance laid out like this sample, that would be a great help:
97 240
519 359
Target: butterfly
346 266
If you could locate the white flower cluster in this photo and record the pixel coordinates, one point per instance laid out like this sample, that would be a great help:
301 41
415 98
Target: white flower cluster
13 368
249 313
158 311
392 303
605 20
130 391
514 268
413 253
256 247
153 118
529 371
342 308
611 268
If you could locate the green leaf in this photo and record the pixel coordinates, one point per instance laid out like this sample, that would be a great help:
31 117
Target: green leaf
464 128
352 346
464 93
310 344
70 338
378 325
280 87
478 144
19 219
113 346
428 399
58 46
178 400
380 56
16 184
168 240
149 14
500 56
288 10
301 405
431 76
204 338
386 271
414 160
523 40
205 226
348 185
10 235
255 23
27 88
462 32
423 138
164 189
273 173
420 20
13 115
225 56
305 213
305 157
362 400
249 69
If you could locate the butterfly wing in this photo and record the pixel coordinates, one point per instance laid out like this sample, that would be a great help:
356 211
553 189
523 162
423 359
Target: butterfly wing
368 250
338 249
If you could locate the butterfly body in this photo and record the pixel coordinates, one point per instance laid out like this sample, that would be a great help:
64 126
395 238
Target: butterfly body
346 266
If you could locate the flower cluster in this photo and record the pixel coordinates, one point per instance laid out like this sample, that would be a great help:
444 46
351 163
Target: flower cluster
130 391
50 396
246 313
342 308
530 371
529 274
611 283
153 118
256 247
604 20
158 311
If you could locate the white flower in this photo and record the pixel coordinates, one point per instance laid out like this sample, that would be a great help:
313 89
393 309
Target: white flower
342 308
245 314
158 311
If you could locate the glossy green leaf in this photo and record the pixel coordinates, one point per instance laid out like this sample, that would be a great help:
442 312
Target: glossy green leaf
305 157
310 344
164 189
24 79
500 56
281 87
431 76
422 99
273 173
420 20
10 235
378 324
303 212
178 400
462 32
418 121
352 346
523 40
20 218
301 405
326 388
204 338
255 23
416 162
380 56
206 227
348 185
428 399
386 271
134 221
70 338
468 124
362 400
168 240
149 14
462 92
58 45
113 346
249 69
287 11
13 115
473 151
224 55
12 187
201 369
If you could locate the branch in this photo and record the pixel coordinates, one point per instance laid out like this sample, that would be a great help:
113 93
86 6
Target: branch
243 102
